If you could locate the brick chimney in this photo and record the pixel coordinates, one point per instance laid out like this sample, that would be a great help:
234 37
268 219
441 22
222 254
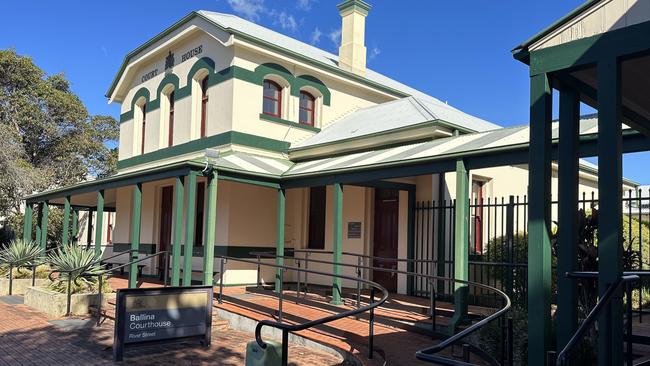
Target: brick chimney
352 53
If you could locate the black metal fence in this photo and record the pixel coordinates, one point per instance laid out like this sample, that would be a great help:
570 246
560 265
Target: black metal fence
498 237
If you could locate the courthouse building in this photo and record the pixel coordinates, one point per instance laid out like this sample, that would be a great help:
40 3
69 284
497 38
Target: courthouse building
235 138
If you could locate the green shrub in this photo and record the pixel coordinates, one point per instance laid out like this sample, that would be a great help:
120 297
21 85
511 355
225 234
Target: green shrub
42 271
79 263
19 255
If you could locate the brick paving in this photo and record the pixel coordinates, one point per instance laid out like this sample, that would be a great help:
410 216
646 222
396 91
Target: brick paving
27 338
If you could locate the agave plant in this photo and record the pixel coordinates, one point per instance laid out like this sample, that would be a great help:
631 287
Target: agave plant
18 254
79 263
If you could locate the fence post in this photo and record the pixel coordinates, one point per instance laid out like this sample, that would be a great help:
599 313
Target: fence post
510 237
259 276
358 282
306 274
285 347
629 356
298 275
280 294
11 282
166 269
99 304
34 274
510 340
67 311
371 324
221 271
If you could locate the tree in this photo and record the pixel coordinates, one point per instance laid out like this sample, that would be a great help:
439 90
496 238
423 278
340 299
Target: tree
47 137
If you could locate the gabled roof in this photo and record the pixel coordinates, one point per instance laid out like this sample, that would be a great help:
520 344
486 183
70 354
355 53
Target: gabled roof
323 59
521 50
395 115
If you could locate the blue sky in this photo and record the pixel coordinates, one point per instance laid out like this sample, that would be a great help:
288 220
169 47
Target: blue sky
457 51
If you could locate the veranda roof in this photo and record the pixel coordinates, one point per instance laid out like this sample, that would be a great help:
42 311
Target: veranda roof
271 171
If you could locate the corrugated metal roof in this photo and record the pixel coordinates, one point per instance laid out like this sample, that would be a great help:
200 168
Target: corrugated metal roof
443 110
392 115
455 145
254 164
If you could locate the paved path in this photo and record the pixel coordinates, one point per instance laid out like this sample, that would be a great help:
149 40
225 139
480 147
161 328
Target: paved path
28 337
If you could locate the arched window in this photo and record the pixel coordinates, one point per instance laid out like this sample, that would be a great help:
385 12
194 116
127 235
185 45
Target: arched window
170 120
272 103
307 108
143 111
204 105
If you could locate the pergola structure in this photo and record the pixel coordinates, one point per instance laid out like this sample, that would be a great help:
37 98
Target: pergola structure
599 55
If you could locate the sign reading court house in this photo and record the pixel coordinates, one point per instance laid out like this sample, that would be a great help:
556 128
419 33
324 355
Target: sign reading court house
162 314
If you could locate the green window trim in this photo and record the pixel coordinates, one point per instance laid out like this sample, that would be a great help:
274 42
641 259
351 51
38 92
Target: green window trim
233 72
288 123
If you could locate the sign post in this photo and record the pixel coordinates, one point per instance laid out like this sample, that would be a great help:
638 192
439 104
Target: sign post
155 315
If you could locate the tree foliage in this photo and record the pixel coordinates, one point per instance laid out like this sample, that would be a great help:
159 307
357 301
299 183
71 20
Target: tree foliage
47 137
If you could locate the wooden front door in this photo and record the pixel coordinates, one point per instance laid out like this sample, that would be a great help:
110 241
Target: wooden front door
385 238
166 214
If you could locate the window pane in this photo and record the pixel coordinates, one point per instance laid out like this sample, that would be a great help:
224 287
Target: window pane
270 106
304 116
271 90
306 101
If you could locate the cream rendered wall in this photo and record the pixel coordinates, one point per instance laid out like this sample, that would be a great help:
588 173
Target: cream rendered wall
219 102
248 100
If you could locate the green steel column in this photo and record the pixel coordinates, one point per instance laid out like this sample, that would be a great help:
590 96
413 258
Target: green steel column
37 238
567 311
189 229
337 245
44 218
75 225
279 237
461 246
27 222
65 235
210 230
99 225
178 230
610 248
539 241
136 216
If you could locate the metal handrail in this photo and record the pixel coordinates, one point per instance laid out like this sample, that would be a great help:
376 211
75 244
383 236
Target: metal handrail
426 354
626 278
605 299
287 328
101 274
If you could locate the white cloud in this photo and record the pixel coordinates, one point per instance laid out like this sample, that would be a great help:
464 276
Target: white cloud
250 9
305 4
335 36
286 21
374 52
315 36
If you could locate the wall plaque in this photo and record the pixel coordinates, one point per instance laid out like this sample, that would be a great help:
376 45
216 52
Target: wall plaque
354 230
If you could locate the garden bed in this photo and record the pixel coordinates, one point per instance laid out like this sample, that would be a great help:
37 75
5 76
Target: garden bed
54 303
20 285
